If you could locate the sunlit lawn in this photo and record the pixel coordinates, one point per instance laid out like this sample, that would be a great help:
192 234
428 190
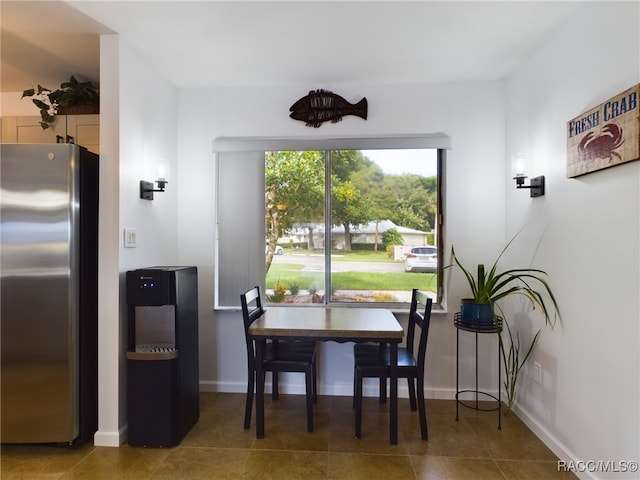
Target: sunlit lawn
291 274
360 256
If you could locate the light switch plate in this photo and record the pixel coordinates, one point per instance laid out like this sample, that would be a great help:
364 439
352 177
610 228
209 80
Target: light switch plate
130 240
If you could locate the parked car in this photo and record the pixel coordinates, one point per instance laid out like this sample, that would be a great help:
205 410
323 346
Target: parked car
421 259
278 251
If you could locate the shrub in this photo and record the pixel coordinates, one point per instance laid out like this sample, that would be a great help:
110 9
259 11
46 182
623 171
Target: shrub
278 292
391 237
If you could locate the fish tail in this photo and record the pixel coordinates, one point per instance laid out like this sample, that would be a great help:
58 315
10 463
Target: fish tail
360 108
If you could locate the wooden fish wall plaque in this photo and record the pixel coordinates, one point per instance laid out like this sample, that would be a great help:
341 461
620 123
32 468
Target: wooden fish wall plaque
322 106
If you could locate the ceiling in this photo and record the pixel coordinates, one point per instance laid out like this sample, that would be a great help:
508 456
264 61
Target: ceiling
240 43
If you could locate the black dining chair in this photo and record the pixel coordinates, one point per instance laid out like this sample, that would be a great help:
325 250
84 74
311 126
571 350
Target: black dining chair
279 356
373 361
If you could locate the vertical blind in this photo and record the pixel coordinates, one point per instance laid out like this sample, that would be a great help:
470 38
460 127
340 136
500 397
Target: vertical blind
240 226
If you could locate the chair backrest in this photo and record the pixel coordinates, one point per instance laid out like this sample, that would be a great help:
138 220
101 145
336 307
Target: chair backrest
251 310
420 318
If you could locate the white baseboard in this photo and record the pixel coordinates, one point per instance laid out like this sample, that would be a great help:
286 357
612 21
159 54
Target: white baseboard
551 441
110 438
337 389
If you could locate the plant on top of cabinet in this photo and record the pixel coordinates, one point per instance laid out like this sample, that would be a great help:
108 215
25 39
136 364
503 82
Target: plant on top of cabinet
65 100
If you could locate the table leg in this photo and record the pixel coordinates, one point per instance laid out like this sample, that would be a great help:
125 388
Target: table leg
260 344
393 374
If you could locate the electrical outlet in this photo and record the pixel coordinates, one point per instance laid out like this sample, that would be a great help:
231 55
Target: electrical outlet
130 240
537 372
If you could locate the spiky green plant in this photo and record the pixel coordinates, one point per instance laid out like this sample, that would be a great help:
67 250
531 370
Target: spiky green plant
490 287
513 363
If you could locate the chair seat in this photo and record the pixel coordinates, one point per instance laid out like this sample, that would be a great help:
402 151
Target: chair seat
374 357
296 351
289 356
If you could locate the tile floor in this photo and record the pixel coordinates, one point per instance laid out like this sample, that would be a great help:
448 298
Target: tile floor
219 448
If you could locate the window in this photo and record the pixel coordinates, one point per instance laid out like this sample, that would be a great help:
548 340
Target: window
344 226
330 226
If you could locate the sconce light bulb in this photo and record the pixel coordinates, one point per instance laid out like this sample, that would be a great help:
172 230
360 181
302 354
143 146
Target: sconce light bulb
519 165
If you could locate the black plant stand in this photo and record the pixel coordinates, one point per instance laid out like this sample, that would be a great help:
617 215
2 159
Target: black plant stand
476 329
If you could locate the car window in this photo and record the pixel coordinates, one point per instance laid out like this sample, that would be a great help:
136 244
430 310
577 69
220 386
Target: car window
424 251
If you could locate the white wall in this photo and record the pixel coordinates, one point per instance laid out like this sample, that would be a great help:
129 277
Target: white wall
472 114
588 403
138 131
110 369
11 103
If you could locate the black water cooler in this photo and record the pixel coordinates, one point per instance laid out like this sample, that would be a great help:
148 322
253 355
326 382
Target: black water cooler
162 356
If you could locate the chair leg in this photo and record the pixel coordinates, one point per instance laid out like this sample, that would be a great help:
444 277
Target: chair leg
357 398
309 387
315 383
412 394
354 387
383 389
422 410
249 400
274 385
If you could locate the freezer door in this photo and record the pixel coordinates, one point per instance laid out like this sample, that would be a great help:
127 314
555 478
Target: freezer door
39 314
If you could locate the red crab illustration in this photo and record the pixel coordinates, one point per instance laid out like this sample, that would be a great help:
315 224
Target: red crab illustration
603 146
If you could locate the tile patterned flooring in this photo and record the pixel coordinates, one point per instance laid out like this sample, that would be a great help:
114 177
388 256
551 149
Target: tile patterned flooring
218 447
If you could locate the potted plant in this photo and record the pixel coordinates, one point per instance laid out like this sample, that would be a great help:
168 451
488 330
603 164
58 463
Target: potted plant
487 288
72 97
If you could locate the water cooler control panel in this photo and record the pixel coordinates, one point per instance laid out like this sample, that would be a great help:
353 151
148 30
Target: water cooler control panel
151 287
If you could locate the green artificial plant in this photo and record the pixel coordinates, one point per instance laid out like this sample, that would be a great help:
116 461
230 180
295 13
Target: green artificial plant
70 94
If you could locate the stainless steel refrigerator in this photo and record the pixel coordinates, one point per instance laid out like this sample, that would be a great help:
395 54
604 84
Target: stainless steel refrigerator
48 284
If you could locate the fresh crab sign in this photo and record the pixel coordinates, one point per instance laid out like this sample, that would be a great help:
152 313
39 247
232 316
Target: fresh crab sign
606 135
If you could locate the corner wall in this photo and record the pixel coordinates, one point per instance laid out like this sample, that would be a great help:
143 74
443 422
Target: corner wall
587 404
138 131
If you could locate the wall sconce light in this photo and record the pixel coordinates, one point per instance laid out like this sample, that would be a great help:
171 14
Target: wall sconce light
146 188
536 184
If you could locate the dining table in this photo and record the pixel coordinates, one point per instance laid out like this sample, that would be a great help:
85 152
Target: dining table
338 324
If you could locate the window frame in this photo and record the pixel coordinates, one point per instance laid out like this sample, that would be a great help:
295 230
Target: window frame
439 142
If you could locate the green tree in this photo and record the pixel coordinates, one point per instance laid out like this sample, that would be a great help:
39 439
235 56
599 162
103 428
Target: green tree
412 200
360 193
349 206
409 200
294 193
369 179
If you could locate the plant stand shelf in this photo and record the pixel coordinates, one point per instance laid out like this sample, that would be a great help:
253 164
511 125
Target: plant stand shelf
474 403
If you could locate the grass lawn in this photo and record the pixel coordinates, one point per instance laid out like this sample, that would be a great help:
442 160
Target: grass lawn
360 256
291 275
